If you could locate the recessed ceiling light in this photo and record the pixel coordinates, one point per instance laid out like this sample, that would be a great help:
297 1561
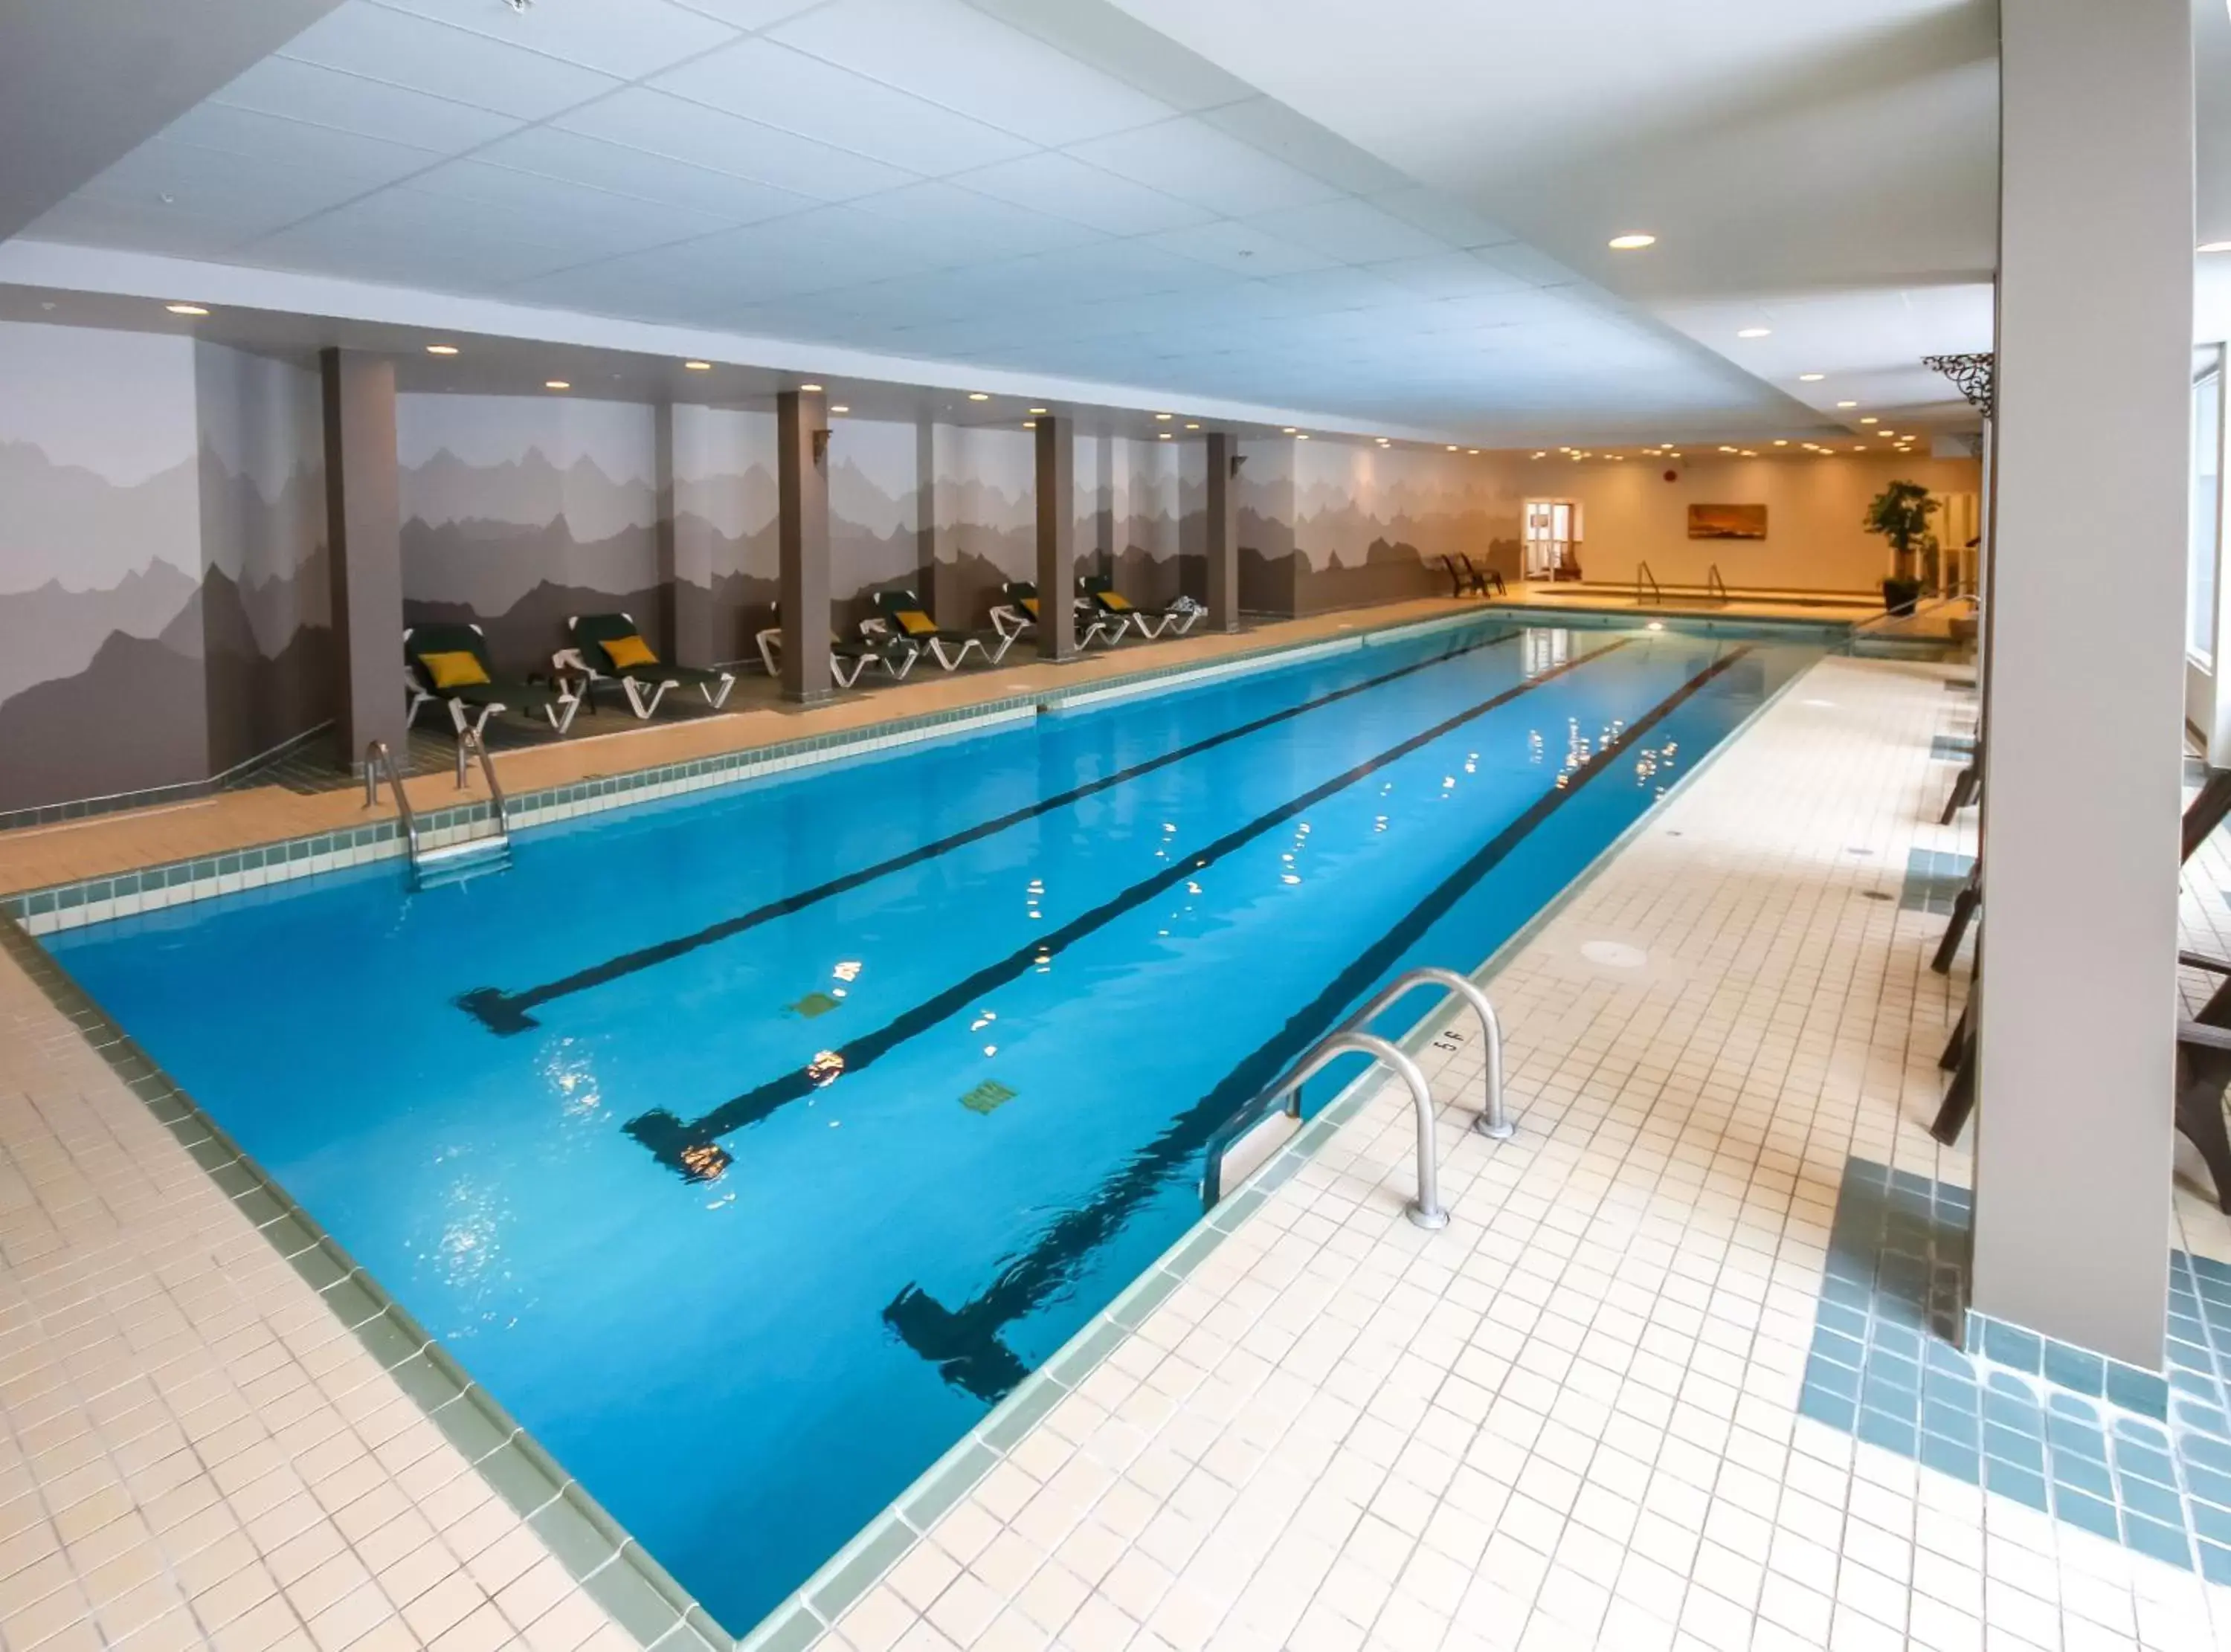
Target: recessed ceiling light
1169 435
2214 246
1473 451
1870 419
1724 448
1192 427
1810 378
1301 436
979 395
1030 424
1858 447
1781 441
1753 332
556 384
1542 454
1848 404
185 309
699 366
811 389
1452 446
441 349
840 409
1037 409
1166 416
1635 243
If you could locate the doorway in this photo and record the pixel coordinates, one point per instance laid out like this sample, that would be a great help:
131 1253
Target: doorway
1552 541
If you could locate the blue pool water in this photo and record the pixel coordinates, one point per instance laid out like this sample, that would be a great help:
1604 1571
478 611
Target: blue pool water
748 1146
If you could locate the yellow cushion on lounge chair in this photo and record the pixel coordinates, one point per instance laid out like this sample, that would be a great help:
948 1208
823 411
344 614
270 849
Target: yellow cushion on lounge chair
458 670
1113 604
914 622
1030 606
625 651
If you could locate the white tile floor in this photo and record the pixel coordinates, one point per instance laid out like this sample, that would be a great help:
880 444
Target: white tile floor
193 1449
1568 1420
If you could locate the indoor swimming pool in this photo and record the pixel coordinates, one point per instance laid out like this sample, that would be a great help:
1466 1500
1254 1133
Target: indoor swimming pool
749 1146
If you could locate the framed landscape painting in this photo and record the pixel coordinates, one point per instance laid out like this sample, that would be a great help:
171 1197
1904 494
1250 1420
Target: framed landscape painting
1727 521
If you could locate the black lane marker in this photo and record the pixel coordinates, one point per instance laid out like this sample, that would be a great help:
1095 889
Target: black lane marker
966 1343
687 1147
506 1013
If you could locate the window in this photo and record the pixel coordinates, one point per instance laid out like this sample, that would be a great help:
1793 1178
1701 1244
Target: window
2207 511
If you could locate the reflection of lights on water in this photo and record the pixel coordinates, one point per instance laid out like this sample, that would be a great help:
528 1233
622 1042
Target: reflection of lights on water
1379 823
1193 889
1289 877
1534 746
826 1068
704 1161
569 1073
847 971
984 1019
990 1049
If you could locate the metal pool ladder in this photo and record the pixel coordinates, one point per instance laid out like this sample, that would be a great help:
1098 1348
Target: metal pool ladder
1427 1211
449 863
1644 577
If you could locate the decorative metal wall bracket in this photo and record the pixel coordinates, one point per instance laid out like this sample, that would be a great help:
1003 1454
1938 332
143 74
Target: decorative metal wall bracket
1972 375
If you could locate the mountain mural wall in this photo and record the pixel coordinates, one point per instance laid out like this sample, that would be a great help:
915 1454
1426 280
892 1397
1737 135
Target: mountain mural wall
164 585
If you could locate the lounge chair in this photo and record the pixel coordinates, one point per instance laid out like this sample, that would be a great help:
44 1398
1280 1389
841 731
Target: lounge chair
609 647
1465 580
900 613
448 663
846 660
1481 580
1148 622
1017 612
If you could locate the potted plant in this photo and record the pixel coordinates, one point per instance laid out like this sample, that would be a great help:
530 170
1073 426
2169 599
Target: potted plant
1900 514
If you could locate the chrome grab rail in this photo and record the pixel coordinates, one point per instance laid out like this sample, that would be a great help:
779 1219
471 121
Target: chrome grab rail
1427 1211
376 759
1713 586
468 748
1641 573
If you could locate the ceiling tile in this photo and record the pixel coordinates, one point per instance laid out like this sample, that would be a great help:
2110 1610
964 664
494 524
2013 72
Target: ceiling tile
749 14
598 222
324 97
423 239
629 38
363 162
683 131
407 51
1350 231
954 55
88 222
1193 161
1240 247
577 159
1449 275
258 193
953 224
1066 187
778 87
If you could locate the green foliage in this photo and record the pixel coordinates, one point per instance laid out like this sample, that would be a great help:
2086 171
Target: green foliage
1900 514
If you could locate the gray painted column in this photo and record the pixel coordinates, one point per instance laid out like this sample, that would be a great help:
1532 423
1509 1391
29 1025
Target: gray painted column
1056 503
925 513
364 536
1223 537
685 568
2083 700
801 420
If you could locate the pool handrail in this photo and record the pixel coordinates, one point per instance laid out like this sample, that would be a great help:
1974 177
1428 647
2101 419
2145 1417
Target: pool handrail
469 747
1350 1036
378 759
1643 575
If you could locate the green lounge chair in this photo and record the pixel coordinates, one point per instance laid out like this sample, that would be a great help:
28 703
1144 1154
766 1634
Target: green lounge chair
1017 612
601 642
1148 622
471 704
846 660
901 614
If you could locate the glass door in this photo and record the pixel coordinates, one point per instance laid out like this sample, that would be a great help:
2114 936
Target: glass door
1552 539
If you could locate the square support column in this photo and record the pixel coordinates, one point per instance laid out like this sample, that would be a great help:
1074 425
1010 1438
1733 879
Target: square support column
364 536
2083 698
1057 505
685 569
802 458
1223 535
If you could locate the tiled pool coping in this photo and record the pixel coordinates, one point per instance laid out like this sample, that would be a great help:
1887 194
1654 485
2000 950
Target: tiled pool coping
67 906
616 1571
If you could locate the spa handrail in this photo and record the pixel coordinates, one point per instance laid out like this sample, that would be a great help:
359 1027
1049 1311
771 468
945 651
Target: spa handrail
1715 586
378 760
1642 575
1427 1212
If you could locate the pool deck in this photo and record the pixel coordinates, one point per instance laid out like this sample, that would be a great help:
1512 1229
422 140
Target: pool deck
101 846
1569 1418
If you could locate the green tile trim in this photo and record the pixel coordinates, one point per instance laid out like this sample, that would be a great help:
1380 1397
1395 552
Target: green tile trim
614 1570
